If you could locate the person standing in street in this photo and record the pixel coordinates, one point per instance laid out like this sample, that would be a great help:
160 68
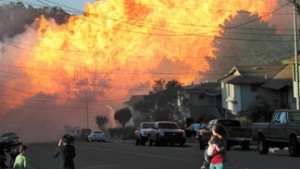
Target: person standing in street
66 150
21 161
219 160
202 129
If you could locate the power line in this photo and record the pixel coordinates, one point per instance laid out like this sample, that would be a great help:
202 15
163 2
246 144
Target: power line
161 34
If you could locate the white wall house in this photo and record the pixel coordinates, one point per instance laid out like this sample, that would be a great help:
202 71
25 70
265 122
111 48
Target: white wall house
291 62
244 83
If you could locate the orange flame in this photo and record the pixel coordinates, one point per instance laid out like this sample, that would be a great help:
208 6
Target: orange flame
126 43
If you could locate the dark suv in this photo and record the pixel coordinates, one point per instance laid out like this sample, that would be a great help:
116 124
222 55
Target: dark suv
84 133
165 132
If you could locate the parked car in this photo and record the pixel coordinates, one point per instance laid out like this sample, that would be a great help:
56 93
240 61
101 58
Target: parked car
283 131
10 137
236 134
164 132
96 135
84 133
142 133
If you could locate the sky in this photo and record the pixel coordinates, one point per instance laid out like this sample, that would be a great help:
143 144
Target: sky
77 4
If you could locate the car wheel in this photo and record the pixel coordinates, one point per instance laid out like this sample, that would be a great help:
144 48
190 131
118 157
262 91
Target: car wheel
228 147
281 147
201 143
245 145
150 142
263 147
157 143
294 147
137 142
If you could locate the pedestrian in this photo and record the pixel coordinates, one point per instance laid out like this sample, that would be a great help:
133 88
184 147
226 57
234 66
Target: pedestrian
202 125
209 152
202 129
21 161
196 127
219 159
66 150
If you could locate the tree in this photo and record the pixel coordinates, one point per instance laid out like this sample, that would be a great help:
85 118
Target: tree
123 116
298 8
101 122
15 15
161 102
260 109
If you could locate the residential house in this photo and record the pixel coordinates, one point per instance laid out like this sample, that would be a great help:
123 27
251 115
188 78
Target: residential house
204 100
244 83
291 62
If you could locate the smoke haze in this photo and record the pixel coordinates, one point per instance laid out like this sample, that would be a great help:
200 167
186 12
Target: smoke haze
51 74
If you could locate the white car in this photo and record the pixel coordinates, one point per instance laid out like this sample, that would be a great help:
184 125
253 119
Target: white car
142 133
96 135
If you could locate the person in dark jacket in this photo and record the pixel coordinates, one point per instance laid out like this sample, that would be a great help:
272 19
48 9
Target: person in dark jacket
66 150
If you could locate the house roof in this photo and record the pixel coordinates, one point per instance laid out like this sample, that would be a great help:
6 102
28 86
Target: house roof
134 99
283 78
252 74
209 88
290 60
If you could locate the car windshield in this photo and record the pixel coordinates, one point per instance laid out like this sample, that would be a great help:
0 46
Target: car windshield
98 132
294 116
147 125
167 125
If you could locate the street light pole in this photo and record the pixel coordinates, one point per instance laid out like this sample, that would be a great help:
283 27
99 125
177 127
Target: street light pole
296 56
87 110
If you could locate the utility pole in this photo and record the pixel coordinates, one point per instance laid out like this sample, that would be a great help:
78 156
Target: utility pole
296 56
87 110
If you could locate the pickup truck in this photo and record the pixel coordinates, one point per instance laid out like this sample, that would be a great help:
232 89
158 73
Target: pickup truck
283 131
236 134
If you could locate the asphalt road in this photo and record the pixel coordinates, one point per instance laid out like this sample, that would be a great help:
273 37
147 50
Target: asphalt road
125 155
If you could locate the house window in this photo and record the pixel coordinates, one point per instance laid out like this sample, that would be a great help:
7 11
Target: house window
201 97
229 90
254 88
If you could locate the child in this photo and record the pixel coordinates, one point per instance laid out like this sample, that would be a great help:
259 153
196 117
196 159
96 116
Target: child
21 161
209 152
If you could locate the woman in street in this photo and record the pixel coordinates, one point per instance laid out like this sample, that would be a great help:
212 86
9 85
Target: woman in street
219 160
